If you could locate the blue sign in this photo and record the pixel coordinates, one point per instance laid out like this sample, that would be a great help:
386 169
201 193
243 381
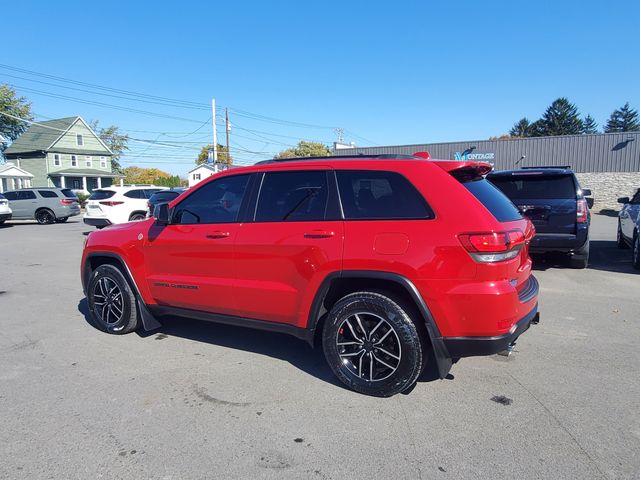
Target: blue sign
461 156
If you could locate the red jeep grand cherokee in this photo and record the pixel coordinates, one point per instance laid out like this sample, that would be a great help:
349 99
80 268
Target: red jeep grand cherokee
387 258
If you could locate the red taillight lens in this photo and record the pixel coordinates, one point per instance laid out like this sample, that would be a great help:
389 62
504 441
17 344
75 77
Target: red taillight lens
110 204
493 246
67 201
582 211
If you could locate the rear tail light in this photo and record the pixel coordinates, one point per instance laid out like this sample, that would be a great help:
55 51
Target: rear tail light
582 211
109 203
67 201
493 247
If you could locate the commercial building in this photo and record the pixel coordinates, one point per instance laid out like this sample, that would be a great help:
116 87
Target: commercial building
607 163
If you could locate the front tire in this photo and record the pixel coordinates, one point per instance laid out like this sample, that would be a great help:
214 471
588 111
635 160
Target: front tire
112 303
635 257
44 216
620 239
62 220
373 345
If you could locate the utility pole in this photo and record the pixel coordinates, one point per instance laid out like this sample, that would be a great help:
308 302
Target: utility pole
215 133
227 128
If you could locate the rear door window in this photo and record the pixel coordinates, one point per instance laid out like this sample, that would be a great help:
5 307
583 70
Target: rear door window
48 194
26 195
137 194
529 187
379 195
101 194
293 197
493 199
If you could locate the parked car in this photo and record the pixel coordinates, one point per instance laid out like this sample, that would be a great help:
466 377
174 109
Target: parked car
385 258
162 196
5 211
551 197
112 205
44 204
629 226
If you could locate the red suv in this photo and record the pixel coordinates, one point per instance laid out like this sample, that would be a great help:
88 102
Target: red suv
386 259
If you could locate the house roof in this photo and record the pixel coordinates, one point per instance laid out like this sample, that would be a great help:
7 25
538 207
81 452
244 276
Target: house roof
10 170
42 135
82 172
222 166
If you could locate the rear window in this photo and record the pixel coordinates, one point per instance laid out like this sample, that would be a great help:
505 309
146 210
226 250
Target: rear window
148 192
527 187
101 194
494 200
48 194
68 193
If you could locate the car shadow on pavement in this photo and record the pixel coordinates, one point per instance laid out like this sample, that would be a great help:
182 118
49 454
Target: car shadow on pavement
603 255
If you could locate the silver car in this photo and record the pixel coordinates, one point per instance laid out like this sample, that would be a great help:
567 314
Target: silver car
45 205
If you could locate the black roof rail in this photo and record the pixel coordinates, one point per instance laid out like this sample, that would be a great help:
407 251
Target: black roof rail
565 167
386 156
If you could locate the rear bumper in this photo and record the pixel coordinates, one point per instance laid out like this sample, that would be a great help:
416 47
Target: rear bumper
5 216
559 242
477 346
96 222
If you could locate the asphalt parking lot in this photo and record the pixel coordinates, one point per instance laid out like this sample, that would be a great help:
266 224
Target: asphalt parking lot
203 401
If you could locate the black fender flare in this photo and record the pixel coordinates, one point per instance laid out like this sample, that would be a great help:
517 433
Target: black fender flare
440 352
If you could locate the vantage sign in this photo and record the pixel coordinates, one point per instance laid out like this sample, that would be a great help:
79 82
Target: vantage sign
474 156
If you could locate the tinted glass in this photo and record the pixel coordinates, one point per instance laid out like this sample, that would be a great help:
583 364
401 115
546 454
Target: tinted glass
540 186
68 193
101 194
26 195
134 194
163 196
216 202
293 197
2 197
376 195
48 194
494 200
148 192
11 195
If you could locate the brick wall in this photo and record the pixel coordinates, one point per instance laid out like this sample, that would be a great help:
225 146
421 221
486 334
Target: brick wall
607 187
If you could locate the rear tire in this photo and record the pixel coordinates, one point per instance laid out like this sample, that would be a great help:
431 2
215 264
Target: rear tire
635 256
580 259
137 216
62 220
373 345
620 239
44 216
112 303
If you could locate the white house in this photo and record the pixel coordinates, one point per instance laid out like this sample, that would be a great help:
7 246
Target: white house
203 171
12 177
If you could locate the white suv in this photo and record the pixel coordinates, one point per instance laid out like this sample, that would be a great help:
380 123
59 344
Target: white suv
5 211
111 205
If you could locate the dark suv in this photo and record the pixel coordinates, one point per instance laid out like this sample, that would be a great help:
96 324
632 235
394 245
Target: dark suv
387 260
554 201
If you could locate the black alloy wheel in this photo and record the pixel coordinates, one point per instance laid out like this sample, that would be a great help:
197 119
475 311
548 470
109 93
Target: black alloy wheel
44 216
112 303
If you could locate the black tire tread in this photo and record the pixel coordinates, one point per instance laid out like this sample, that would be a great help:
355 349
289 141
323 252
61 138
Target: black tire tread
132 320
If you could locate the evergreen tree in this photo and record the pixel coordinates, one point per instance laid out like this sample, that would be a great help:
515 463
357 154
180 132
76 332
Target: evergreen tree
561 118
624 119
589 125
522 128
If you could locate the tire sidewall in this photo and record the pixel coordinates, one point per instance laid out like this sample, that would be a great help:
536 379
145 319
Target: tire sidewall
412 358
51 218
129 315
635 255
136 217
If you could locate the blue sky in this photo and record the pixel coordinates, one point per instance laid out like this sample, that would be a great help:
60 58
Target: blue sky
388 73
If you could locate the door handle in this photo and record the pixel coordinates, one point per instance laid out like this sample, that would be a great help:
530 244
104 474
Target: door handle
319 234
214 235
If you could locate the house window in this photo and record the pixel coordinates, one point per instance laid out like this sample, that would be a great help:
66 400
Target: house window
56 159
87 161
103 162
79 140
74 161
196 176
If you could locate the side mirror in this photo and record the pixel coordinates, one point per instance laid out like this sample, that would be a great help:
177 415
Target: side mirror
586 192
162 214
623 200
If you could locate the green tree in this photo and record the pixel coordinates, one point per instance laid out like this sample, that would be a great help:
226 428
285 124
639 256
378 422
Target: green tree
561 118
589 125
522 128
624 119
305 149
11 104
116 141
144 175
223 155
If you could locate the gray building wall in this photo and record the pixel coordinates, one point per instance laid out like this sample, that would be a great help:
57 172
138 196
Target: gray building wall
607 163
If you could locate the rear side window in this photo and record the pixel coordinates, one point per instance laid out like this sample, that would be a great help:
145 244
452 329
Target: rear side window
48 194
11 195
148 193
68 193
101 194
26 195
525 187
494 200
377 195
293 197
